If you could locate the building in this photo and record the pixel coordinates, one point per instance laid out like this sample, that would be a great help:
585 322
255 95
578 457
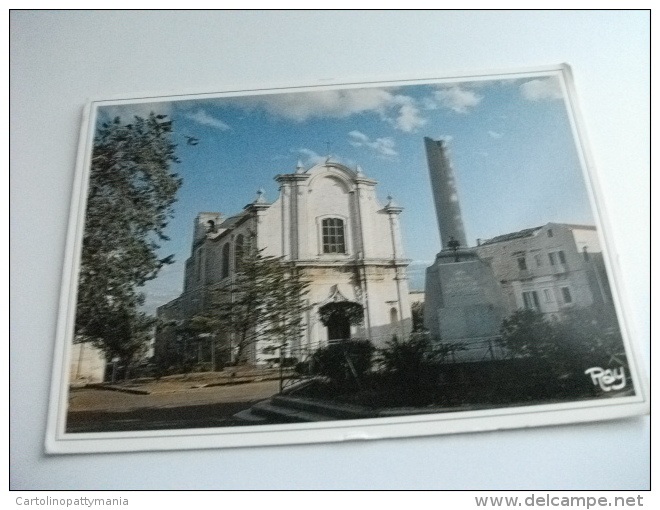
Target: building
86 364
470 290
328 223
549 268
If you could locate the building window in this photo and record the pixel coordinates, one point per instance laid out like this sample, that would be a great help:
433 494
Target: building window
225 261
332 230
548 295
566 294
199 264
531 300
239 252
550 232
539 261
557 256
394 316
522 264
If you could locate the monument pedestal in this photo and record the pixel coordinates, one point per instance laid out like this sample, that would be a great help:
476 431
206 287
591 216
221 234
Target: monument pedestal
463 303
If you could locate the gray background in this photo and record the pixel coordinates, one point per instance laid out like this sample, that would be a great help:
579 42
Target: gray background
61 59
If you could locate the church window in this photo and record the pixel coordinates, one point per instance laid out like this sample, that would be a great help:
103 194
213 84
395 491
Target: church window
225 261
332 230
239 251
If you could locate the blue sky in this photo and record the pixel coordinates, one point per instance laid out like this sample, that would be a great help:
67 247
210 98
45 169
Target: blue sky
510 141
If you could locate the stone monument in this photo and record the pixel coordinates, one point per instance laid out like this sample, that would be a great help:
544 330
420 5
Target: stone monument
463 303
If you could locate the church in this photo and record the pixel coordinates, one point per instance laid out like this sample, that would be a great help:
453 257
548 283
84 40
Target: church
329 224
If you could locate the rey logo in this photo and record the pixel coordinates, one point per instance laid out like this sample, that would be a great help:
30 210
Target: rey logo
608 380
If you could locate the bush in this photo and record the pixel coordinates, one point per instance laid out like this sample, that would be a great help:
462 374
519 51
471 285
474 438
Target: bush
558 351
345 363
410 370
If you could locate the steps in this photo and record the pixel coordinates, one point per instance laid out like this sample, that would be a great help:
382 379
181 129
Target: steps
285 409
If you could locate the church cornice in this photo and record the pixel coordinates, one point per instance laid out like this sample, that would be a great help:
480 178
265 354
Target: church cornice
291 177
351 263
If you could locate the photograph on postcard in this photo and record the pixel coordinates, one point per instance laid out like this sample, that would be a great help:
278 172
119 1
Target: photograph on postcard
273 259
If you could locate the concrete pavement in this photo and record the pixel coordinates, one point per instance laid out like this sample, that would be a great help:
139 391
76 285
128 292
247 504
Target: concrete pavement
167 406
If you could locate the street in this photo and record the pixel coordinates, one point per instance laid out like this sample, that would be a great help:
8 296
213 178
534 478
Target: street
166 407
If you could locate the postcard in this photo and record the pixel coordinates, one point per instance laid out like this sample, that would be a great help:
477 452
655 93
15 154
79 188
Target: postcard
334 262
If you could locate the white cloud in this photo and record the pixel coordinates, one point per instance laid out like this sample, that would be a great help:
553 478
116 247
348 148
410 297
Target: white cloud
398 110
382 146
456 98
358 137
495 134
203 118
543 88
409 117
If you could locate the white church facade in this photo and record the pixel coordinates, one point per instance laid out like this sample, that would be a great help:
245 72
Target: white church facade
329 224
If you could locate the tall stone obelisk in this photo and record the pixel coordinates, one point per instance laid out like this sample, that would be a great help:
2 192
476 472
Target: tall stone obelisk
463 302
445 194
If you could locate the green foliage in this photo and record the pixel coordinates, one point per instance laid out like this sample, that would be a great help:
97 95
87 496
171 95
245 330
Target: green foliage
592 336
411 369
526 333
126 334
129 202
583 337
264 301
345 363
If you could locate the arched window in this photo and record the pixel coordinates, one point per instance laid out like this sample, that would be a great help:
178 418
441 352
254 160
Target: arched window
239 252
199 265
394 316
332 230
225 261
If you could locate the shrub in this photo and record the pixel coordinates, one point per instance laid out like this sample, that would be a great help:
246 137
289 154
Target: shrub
558 351
410 370
345 363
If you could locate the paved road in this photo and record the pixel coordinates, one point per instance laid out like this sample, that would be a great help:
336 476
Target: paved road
97 410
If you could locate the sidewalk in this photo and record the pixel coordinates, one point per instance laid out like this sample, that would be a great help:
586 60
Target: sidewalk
169 404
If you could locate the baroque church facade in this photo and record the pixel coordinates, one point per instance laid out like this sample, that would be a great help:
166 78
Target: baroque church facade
327 223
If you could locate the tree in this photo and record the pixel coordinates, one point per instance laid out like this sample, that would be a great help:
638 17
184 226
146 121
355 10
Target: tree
592 336
265 300
129 202
284 308
583 337
526 333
